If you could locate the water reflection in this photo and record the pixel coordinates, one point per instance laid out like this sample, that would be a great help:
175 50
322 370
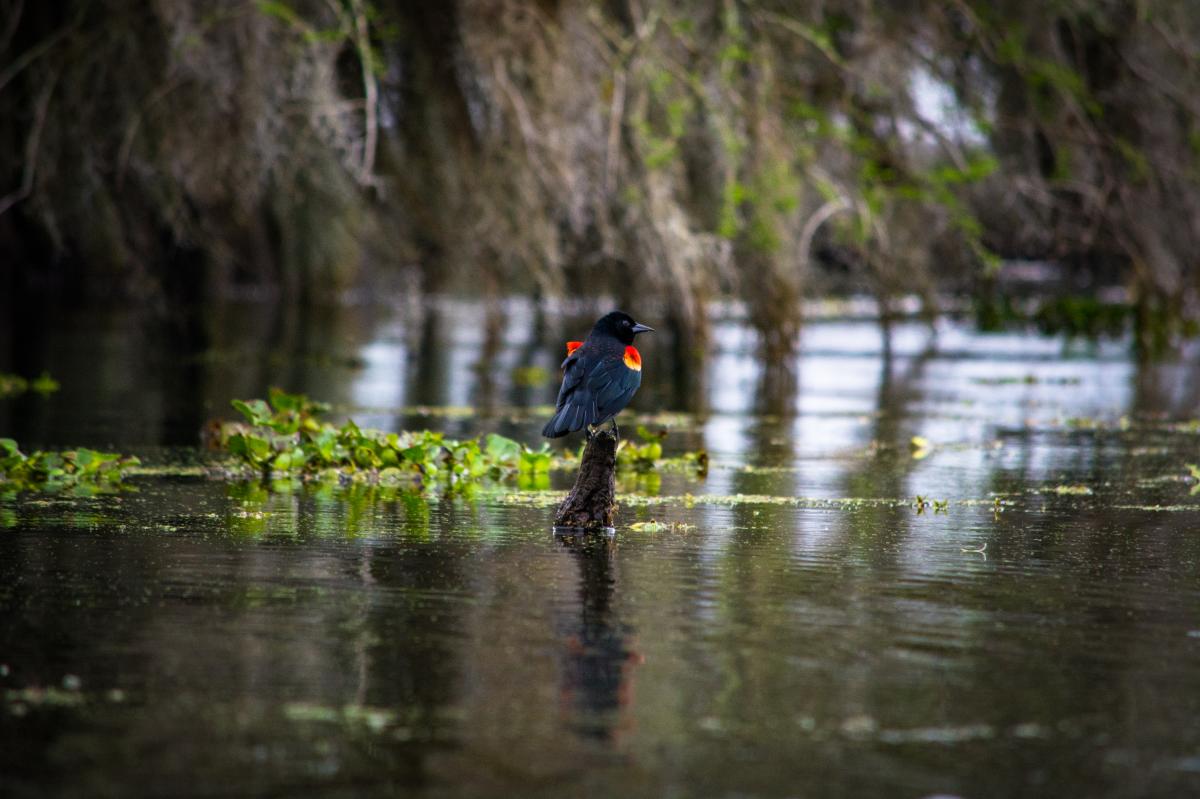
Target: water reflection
136 381
598 661
360 640
372 644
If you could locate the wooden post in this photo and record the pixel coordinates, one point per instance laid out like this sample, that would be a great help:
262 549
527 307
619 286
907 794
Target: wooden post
591 504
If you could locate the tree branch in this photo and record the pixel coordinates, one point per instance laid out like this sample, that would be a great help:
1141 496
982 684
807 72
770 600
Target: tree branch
10 28
29 56
32 148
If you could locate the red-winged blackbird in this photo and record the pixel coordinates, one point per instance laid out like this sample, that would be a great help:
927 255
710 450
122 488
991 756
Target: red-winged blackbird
600 376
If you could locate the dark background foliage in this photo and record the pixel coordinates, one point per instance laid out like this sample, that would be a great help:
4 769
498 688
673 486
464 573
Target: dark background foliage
666 153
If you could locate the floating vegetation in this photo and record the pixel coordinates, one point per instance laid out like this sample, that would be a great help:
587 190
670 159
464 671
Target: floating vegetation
1159 480
539 499
373 719
1089 423
653 526
919 447
83 471
531 499
750 468
1143 452
648 455
921 504
1073 490
169 470
1194 473
12 385
283 437
1160 508
20 701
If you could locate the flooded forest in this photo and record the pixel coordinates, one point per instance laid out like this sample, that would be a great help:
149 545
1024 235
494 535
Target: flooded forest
906 477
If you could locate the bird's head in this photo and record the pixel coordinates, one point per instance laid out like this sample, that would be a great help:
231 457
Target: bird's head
620 326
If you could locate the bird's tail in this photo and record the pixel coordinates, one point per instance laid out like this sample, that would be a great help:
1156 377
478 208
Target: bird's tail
567 419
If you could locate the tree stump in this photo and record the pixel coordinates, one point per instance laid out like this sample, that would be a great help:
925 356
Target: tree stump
591 504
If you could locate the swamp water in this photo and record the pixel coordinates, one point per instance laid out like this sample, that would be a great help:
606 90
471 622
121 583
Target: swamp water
804 626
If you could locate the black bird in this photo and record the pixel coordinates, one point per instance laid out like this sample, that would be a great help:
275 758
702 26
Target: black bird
600 376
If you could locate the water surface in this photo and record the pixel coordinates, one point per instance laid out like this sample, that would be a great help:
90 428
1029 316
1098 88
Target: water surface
824 635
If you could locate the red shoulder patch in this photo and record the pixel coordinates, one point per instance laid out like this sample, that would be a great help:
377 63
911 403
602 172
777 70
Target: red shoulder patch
633 358
572 346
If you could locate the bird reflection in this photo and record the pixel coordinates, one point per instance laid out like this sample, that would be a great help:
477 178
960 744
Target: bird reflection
597 663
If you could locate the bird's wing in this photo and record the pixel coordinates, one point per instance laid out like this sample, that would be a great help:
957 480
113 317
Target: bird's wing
573 374
612 384
575 408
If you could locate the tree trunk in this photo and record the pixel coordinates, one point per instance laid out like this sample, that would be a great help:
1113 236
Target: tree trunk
591 505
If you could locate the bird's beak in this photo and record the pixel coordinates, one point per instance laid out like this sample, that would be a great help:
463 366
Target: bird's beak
640 328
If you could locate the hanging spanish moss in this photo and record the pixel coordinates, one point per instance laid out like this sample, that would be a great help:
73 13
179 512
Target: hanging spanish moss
689 151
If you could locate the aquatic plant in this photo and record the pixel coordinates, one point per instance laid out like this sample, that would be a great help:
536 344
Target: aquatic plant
282 436
1072 490
654 526
1194 473
11 385
648 455
83 471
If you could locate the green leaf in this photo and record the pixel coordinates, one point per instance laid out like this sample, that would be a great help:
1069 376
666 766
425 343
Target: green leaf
366 458
251 447
255 411
501 448
260 448
236 444
646 435
535 462
390 476
350 433
282 401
